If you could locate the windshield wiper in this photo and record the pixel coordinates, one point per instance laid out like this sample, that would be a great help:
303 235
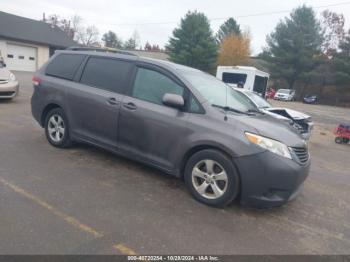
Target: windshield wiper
231 109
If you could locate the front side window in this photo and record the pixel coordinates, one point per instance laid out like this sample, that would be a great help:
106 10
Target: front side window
151 86
108 74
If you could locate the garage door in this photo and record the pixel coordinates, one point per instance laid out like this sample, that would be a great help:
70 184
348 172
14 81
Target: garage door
21 58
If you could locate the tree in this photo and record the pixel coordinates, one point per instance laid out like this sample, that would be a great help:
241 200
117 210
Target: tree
228 28
234 50
193 43
341 63
111 39
149 47
130 44
334 33
88 36
62 23
133 42
294 48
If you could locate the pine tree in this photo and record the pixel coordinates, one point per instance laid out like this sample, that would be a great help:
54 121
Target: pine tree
111 40
294 48
229 27
341 62
193 43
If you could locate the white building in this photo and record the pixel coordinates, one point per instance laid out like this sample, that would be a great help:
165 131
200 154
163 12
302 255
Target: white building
26 44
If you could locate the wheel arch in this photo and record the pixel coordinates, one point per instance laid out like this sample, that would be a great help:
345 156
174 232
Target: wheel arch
46 110
197 148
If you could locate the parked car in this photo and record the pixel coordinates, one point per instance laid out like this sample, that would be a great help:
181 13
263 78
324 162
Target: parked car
285 95
270 93
8 84
175 118
310 99
300 121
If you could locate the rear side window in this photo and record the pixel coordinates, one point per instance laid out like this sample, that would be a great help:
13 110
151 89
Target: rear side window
107 74
64 66
151 86
233 78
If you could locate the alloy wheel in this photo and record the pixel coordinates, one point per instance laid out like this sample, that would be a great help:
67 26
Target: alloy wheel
209 179
56 128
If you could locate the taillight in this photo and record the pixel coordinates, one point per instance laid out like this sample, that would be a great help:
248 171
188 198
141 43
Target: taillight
36 80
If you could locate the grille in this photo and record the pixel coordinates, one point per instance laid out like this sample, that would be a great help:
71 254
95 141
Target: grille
3 81
10 93
301 153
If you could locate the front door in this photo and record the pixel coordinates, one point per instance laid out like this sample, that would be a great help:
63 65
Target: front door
148 130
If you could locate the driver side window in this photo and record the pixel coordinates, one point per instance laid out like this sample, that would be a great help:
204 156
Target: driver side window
151 86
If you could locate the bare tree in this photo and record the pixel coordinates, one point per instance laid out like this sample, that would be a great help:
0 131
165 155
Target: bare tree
333 29
88 36
76 26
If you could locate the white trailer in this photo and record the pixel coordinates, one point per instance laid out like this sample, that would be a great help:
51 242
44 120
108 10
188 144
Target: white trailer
251 78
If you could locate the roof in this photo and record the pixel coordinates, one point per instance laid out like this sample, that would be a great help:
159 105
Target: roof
244 69
28 30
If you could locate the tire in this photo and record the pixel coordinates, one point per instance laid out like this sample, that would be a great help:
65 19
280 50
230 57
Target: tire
56 122
204 183
339 140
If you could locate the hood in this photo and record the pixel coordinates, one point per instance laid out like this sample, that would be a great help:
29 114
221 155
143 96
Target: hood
296 115
4 74
280 117
268 126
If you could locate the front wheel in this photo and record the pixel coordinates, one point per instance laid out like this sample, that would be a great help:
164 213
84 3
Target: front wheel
56 128
212 178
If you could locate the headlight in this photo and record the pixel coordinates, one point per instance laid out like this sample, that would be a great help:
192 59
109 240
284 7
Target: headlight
269 144
12 77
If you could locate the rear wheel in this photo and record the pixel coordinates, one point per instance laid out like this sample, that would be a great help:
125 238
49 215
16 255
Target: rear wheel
56 128
211 178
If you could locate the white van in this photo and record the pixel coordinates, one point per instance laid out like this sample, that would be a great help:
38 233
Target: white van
252 79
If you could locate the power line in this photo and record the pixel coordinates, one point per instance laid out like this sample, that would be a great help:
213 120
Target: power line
224 18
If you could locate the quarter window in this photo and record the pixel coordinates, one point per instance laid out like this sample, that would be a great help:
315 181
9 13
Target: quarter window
151 86
64 66
105 73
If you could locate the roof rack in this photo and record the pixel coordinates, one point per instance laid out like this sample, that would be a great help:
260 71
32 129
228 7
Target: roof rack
99 49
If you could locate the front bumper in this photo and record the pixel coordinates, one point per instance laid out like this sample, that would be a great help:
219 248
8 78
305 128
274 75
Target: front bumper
9 89
282 98
268 180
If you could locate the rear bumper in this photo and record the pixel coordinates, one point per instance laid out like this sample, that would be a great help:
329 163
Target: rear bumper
9 90
268 180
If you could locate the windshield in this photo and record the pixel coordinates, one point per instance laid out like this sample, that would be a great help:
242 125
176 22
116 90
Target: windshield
258 100
217 92
284 91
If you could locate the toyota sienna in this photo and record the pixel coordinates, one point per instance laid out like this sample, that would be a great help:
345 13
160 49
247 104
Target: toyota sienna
178 119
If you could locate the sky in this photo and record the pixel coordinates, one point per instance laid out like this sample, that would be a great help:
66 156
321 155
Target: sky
154 20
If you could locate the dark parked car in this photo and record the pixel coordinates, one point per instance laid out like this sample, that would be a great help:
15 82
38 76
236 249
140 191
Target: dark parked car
310 99
175 118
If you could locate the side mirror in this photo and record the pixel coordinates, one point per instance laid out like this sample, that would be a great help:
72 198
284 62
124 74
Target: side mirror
172 100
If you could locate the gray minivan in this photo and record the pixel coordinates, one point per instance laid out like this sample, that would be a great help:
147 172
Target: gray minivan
175 118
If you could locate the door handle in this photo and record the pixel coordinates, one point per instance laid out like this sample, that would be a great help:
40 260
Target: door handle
130 106
112 101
